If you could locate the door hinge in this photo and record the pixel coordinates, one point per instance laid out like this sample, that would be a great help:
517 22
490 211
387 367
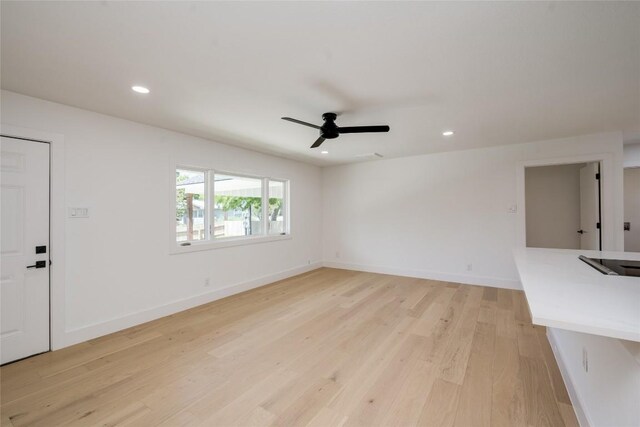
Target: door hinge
597 176
598 225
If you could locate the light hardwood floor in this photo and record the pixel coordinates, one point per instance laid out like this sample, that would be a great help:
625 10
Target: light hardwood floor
327 348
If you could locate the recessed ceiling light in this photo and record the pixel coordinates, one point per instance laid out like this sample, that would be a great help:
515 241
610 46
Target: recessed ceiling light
140 89
447 133
324 152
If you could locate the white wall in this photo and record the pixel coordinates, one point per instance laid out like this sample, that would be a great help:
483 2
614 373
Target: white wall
632 155
432 216
552 195
118 270
632 208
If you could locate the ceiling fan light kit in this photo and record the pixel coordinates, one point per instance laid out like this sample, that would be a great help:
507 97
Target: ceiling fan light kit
329 130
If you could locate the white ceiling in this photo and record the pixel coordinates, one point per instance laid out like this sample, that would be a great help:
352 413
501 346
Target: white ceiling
496 73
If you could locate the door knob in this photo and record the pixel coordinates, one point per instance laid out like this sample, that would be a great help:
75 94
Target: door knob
581 231
38 264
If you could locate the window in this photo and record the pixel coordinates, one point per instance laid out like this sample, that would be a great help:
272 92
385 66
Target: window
216 206
238 206
191 205
276 207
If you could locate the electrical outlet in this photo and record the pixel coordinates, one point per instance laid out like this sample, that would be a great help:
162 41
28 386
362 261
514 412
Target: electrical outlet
337 254
308 262
469 267
207 282
585 359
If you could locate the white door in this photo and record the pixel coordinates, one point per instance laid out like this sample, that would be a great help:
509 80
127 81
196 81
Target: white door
590 207
24 283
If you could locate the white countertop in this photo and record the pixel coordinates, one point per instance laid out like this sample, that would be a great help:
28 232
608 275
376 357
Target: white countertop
564 292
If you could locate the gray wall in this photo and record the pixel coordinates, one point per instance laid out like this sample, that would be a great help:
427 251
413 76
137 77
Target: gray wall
552 199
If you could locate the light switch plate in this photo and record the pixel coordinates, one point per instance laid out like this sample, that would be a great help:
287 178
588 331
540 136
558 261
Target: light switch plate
81 212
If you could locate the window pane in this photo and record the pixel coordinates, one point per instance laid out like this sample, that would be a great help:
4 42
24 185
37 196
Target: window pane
276 207
238 206
190 205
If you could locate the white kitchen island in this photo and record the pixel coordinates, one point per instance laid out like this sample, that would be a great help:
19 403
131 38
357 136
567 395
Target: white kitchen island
564 292
593 324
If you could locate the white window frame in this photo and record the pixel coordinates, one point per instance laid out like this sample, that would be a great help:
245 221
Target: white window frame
211 242
207 206
285 205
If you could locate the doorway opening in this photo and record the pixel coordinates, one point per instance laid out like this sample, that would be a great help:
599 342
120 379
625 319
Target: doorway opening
632 209
563 206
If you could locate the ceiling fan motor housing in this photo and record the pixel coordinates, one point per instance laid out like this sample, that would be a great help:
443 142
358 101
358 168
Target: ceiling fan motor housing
329 129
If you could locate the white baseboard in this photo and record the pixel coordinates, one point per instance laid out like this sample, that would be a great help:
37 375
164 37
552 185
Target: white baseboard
576 401
494 282
95 330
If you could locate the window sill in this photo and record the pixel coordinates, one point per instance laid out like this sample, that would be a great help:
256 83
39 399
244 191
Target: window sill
226 243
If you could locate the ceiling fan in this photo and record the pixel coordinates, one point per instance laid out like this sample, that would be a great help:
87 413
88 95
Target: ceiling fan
330 130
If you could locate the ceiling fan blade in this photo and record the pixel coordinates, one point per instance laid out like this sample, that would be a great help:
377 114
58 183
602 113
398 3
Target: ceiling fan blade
300 122
318 142
363 129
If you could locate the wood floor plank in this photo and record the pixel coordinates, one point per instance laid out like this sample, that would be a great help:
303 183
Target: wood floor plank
430 296
329 347
507 393
379 399
441 333
126 415
487 314
541 408
559 390
568 415
528 344
440 408
327 417
490 294
520 307
504 300
303 409
434 314
409 401
233 412
454 362
365 366
505 323
474 404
